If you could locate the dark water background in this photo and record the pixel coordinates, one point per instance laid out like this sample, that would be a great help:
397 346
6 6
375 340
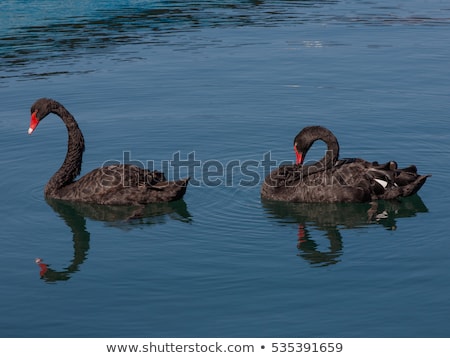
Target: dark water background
225 82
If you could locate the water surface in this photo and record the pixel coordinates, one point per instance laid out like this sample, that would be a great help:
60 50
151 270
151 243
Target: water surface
224 84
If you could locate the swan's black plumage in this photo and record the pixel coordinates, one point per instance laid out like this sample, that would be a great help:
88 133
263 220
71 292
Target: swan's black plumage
111 185
337 180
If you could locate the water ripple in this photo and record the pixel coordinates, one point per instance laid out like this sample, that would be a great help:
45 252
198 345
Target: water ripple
97 29
93 29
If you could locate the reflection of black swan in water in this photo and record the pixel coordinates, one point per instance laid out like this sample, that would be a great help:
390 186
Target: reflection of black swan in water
337 180
345 215
333 218
110 185
127 215
81 237
74 215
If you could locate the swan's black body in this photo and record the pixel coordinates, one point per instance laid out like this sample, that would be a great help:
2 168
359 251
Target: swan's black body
111 185
337 180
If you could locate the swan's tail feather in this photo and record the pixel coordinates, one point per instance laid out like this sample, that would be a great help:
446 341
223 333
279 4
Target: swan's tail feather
389 182
167 190
405 189
415 186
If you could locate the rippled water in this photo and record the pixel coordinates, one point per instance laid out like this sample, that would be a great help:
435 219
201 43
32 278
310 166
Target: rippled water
224 87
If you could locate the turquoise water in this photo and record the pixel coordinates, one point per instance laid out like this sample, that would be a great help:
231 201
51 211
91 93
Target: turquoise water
224 85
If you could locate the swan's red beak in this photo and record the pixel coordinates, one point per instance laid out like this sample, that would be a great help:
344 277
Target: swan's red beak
298 156
33 123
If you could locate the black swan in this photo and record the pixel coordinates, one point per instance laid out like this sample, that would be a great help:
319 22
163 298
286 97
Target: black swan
121 184
337 180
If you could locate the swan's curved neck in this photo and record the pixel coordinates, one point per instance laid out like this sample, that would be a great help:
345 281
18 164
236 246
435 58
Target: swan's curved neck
332 153
71 166
305 139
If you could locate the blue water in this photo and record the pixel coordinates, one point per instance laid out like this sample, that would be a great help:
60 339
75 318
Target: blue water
224 84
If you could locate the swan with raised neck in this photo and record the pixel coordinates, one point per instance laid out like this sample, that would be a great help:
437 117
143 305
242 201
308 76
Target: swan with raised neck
119 184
